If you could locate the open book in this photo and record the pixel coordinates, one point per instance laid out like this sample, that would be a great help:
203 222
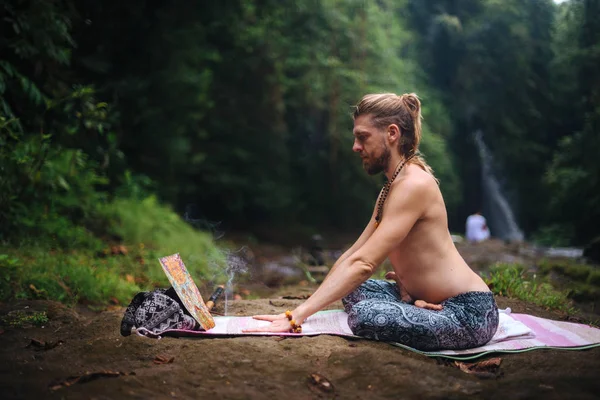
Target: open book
187 290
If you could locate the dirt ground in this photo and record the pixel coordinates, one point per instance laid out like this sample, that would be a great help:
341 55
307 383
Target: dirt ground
264 367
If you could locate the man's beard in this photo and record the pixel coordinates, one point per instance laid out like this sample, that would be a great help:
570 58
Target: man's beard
378 164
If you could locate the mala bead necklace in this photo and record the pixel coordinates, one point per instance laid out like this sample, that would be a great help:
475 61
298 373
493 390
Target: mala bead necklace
386 190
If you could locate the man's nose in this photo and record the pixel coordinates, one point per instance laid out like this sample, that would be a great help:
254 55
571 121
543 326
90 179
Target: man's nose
356 147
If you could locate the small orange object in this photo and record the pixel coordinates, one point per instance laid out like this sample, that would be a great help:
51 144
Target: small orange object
295 328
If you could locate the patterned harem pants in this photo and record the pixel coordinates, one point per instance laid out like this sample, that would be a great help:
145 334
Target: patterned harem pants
375 311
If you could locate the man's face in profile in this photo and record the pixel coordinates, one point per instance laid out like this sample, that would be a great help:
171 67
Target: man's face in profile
369 143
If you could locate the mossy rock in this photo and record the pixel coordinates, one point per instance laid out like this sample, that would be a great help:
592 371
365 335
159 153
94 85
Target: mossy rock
592 251
572 270
594 278
583 293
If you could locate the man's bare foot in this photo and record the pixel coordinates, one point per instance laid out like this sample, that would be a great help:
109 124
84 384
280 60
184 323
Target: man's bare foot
428 306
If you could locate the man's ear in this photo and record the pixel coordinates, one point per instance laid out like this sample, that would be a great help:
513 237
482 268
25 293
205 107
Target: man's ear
393 133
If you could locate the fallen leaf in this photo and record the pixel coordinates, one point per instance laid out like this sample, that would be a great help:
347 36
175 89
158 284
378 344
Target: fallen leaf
483 369
87 377
320 382
163 359
129 278
35 343
39 345
36 290
118 249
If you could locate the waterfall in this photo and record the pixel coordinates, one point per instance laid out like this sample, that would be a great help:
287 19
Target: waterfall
500 216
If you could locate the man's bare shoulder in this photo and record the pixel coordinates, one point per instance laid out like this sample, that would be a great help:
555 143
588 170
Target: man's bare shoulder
411 195
416 182
415 193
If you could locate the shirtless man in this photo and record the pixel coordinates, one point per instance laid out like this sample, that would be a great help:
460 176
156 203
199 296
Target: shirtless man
454 308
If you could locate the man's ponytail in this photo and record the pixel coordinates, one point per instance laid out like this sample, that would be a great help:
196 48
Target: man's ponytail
410 142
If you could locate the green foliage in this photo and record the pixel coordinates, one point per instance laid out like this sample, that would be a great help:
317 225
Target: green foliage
160 232
49 180
511 280
573 173
135 186
35 32
581 281
69 276
47 183
45 190
22 319
573 176
585 293
594 277
265 140
494 63
568 268
9 272
147 230
555 235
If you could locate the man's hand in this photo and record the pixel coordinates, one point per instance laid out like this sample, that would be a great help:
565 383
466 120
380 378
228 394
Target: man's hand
404 295
279 323
268 317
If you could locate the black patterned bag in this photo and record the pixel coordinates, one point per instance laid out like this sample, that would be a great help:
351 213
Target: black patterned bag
153 313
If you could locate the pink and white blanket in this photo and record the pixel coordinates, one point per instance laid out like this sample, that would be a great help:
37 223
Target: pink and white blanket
516 333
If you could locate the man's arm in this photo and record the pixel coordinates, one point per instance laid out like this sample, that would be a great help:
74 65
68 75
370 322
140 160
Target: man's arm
404 207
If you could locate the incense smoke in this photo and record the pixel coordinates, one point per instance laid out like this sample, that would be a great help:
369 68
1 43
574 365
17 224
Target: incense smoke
235 263
193 216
